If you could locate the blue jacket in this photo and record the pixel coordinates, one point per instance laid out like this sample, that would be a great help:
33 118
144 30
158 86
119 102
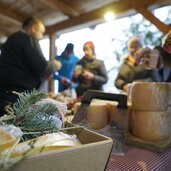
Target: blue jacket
67 69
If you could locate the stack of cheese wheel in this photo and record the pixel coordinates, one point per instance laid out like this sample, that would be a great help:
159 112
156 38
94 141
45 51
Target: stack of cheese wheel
101 112
97 115
121 116
150 119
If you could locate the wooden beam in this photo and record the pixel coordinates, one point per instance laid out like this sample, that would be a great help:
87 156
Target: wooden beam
4 32
149 16
135 4
141 7
62 7
11 15
89 16
98 14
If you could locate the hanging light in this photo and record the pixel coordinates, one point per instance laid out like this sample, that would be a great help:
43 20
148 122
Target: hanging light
109 16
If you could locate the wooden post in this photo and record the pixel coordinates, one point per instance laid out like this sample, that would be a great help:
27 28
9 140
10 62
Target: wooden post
52 38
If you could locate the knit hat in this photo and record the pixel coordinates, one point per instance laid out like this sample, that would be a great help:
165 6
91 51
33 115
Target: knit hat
89 44
136 39
69 47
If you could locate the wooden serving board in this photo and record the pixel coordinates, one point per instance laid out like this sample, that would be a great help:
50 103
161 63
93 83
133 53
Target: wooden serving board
155 146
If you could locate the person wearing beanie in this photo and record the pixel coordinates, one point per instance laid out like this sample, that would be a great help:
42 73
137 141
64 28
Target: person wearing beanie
129 71
93 73
68 60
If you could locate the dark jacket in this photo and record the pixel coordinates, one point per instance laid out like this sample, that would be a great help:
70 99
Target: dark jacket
22 64
129 73
166 57
164 74
22 67
95 66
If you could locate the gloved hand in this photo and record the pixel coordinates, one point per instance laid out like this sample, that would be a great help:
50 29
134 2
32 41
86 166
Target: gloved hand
149 58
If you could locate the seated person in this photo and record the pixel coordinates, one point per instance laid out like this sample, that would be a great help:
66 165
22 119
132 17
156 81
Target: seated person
93 73
129 71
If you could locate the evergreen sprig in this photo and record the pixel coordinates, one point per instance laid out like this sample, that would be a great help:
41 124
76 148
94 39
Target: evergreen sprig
26 99
33 117
31 113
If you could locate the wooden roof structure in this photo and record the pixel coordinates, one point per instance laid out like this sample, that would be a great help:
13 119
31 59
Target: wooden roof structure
61 16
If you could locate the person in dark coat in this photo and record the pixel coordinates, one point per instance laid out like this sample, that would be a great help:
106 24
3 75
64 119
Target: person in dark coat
22 64
129 71
91 73
164 73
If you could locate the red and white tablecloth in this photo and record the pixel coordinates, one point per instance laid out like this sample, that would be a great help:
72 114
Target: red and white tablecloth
136 159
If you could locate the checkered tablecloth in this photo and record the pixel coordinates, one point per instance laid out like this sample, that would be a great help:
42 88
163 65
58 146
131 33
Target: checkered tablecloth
136 159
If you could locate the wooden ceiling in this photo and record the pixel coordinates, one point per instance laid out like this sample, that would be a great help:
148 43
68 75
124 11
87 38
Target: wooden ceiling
62 16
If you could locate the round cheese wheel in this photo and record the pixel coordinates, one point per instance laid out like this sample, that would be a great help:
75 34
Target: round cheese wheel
97 115
153 126
149 96
119 115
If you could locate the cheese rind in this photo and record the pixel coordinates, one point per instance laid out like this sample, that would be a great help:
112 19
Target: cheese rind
120 116
149 96
152 126
102 112
97 115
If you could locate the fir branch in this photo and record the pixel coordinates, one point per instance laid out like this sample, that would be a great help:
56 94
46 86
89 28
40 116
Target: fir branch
33 114
41 122
26 99
29 115
49 109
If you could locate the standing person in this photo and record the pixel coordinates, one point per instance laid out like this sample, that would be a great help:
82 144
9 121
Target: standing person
162 57
164 73
22 64
65 74
93 73
129 71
